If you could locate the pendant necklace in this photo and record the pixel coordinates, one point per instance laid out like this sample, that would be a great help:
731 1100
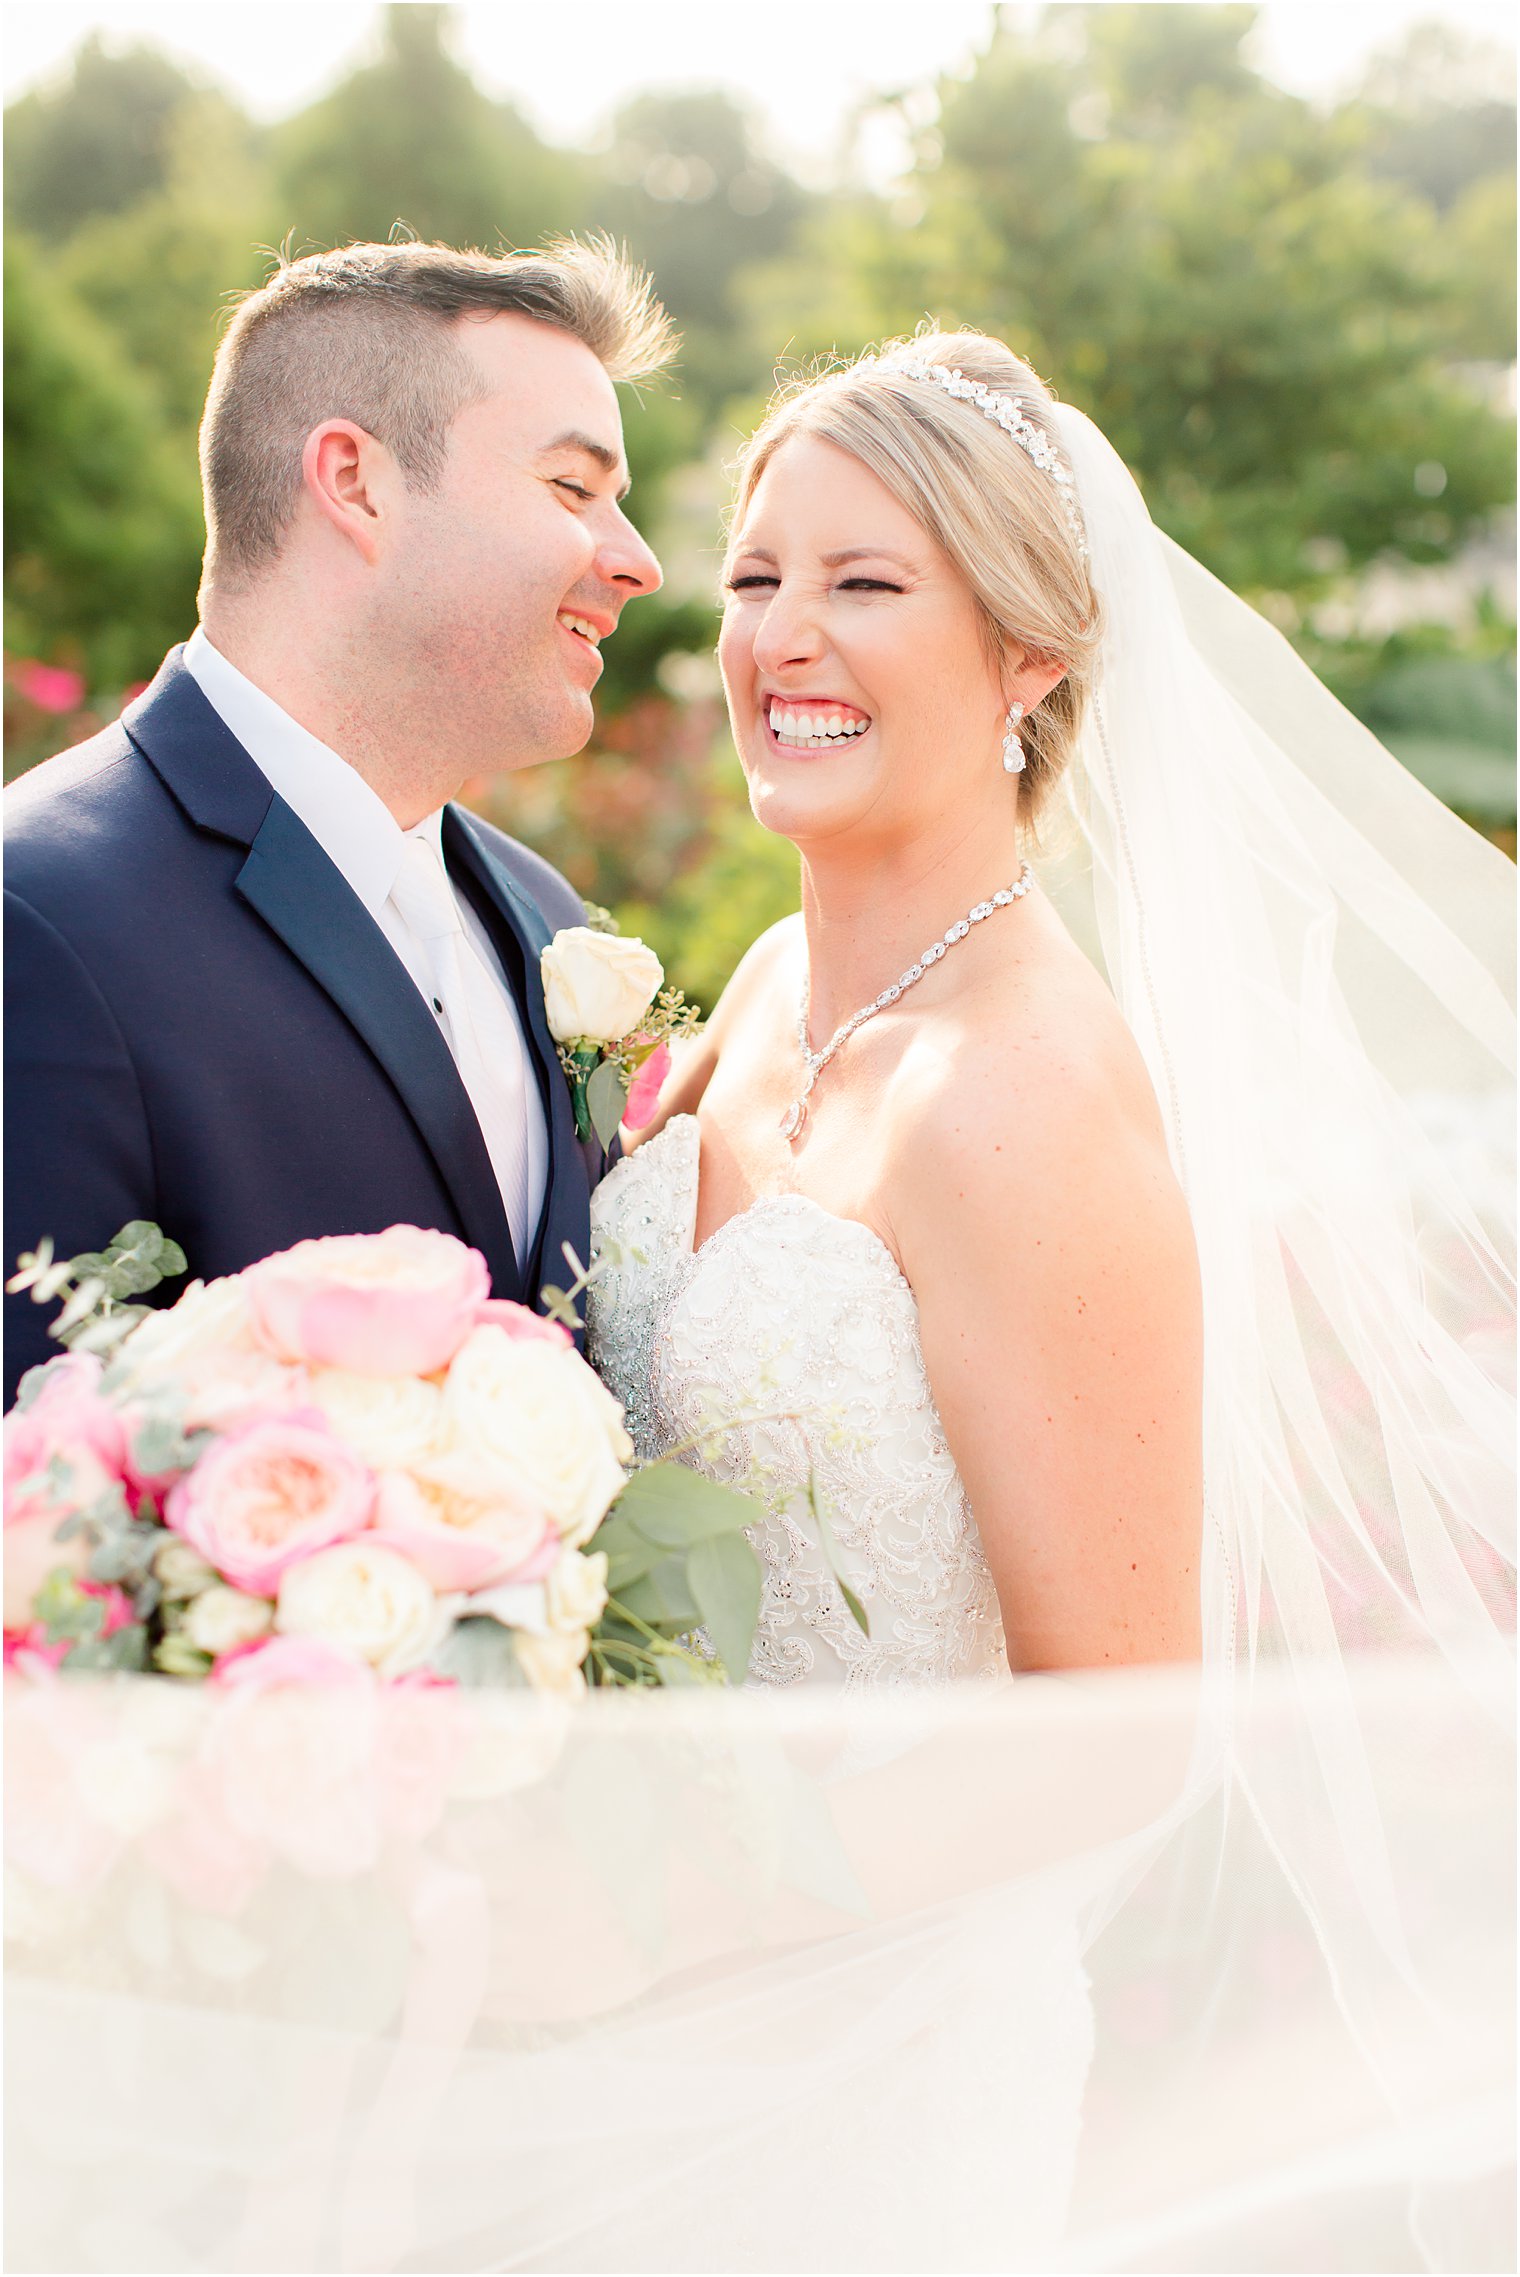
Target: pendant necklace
795 1118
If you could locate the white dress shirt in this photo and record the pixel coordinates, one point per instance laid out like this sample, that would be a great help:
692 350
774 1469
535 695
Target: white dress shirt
465 990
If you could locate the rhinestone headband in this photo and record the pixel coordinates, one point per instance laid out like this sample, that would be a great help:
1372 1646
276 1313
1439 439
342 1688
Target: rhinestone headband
1007 412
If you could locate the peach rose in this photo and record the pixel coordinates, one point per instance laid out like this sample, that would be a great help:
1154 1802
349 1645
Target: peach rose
268 1494
398 1303
458 1526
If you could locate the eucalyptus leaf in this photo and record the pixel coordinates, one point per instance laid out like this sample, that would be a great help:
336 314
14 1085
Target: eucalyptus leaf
724 1577
606 1097
112 1561
663 1597
479 1653
676 1507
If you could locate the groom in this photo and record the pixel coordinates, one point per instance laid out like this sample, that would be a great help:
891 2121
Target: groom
263 981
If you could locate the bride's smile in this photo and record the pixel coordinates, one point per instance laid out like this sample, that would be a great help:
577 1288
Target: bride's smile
866 699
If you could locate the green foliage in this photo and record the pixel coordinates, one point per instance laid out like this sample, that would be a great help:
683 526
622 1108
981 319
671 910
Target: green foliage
102 516
1293 322
411 138
1260 324
677 1559
95 143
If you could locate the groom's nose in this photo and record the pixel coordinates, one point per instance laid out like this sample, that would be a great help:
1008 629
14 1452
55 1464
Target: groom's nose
624 560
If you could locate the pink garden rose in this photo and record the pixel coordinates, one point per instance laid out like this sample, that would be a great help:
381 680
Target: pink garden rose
459 1531
268 1494
526 1327
288 1660
68 1419
386 1304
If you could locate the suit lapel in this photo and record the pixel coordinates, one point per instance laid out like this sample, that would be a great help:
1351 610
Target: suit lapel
563 1217
304 899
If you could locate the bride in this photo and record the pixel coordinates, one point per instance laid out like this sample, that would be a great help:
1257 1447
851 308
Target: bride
1076 1306
927 1186
1084 1323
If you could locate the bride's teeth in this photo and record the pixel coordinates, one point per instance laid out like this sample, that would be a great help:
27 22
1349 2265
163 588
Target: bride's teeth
813 727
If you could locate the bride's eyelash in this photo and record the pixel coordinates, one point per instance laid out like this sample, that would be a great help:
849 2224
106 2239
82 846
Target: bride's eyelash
849 584
575 488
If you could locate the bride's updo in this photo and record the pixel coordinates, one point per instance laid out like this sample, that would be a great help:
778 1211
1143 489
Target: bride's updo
1002 520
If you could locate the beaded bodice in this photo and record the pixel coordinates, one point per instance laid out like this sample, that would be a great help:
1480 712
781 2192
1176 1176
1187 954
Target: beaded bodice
787 1346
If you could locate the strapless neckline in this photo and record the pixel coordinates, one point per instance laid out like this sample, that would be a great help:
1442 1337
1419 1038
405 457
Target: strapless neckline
781 1354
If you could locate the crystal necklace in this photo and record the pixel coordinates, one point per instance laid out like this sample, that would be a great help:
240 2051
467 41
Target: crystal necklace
793 1120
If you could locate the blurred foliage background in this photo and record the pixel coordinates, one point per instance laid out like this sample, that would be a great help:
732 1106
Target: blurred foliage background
1295 322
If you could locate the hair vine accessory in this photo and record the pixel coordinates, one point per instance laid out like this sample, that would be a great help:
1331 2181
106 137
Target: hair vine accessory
1014 754
1007 412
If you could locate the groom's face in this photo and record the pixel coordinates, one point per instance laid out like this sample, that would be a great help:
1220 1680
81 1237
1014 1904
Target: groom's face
505 578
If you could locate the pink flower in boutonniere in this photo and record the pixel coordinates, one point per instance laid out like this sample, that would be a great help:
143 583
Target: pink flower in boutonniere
644 1091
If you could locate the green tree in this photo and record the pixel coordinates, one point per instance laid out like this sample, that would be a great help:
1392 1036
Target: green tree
690 188
102 511
93 144
162 272
1262 328
410 137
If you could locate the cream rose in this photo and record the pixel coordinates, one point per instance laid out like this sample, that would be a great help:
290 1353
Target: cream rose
576 1591
205 1346
391 1422
597 986
221 1619
552 1663
536 1416
365 1599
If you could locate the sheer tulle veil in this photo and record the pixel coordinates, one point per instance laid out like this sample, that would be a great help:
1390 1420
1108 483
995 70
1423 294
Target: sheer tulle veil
1316 958
1056 1974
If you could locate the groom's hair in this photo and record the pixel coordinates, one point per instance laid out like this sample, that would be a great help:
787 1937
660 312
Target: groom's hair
367 332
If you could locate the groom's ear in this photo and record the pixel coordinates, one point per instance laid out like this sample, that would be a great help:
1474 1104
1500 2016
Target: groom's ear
347 476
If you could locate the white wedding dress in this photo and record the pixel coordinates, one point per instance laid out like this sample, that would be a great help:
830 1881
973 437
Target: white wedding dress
802 1321
946 2134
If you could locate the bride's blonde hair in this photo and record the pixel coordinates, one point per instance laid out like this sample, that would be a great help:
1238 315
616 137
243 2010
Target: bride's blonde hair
1000 518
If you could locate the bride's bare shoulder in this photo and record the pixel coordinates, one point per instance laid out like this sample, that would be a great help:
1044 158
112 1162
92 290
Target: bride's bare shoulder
763 968
1044 1106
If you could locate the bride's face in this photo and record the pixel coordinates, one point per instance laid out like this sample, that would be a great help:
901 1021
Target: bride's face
862 696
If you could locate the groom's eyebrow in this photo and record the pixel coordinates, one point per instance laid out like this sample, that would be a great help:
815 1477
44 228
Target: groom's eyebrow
605 457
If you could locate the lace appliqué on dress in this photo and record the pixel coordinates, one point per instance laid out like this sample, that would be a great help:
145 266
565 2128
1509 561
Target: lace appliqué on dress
787 1349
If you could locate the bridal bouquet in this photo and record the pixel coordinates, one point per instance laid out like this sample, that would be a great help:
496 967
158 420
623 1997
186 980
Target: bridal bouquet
348 1458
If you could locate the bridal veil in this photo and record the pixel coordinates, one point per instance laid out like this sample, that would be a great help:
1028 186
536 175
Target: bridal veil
1136 1971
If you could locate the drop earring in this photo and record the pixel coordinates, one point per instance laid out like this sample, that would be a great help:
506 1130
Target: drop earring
1013 748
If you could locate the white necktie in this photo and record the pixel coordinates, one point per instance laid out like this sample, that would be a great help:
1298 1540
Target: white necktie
467 1005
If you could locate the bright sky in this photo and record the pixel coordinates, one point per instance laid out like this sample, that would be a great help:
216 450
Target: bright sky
804 63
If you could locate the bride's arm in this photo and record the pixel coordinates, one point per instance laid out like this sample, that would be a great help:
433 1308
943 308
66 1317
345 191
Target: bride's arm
1053 1261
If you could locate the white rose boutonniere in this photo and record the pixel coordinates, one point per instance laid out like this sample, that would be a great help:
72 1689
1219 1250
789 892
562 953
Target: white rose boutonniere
613 1019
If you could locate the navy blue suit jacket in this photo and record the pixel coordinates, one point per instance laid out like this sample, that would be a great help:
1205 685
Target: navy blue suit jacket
205 1027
